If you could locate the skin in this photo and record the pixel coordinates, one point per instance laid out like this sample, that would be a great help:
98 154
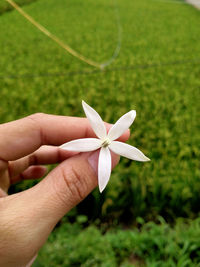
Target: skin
27 218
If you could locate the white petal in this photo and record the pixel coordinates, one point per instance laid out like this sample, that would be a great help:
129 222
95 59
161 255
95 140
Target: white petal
127 151
122 125
95 121
104 167
82 145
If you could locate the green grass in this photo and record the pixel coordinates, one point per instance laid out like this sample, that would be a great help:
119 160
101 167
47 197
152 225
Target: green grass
5 6
162 41
165 97
154 245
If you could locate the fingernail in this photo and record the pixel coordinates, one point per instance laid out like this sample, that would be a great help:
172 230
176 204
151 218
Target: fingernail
93 161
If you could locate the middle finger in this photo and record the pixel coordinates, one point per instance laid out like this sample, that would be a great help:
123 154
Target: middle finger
44 155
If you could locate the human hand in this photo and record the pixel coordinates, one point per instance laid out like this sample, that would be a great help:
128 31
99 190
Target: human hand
28 217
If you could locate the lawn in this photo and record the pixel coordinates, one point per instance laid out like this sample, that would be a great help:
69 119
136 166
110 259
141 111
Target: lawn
157 73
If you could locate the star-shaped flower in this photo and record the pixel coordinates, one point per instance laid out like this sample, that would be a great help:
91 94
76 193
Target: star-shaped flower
105 142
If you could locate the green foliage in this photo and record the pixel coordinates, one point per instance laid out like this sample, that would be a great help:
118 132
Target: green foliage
5 6
166 97
81 248
156 73
152 245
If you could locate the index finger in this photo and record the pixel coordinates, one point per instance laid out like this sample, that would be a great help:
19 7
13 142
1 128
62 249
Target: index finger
24 136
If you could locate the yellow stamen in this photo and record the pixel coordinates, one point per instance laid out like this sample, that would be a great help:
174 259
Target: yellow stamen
106 143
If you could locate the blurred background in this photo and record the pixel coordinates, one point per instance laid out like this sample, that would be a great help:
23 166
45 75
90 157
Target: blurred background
149 213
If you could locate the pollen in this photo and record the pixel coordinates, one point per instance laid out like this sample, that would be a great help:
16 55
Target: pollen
106 143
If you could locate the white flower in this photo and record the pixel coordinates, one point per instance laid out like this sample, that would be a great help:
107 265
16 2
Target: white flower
105 142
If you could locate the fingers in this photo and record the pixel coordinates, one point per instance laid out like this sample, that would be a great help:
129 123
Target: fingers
67 185
32 172
4 176
2 193
44 155
28 217
24 136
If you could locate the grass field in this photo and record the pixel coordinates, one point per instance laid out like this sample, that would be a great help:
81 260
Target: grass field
157 73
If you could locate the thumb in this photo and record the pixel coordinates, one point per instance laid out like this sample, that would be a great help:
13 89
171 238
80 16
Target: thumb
34 212
69 183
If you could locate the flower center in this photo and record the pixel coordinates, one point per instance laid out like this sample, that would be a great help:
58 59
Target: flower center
106 143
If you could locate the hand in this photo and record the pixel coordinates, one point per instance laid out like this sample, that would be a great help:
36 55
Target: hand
27 218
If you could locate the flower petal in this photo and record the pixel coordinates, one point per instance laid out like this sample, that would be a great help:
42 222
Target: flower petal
104 168
127 151
95 121
122 125
82 145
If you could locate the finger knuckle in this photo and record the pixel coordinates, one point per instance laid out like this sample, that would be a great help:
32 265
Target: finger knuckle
36 120
36 116
75 183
